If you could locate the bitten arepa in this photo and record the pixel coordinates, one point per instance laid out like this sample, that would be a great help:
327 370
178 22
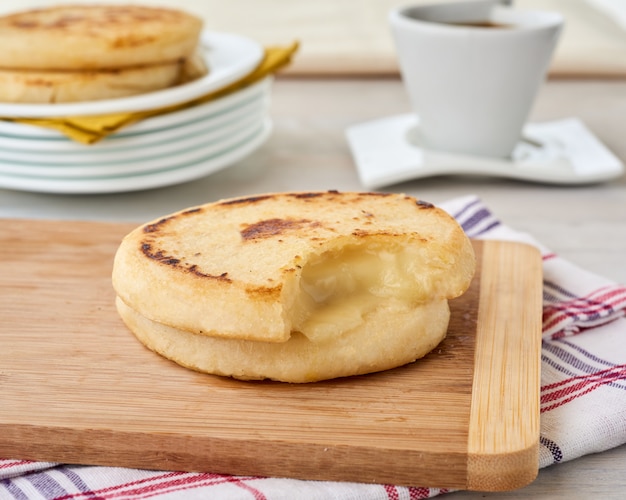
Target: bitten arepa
295 287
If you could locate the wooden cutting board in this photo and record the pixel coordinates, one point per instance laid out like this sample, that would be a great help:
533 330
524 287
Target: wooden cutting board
77 387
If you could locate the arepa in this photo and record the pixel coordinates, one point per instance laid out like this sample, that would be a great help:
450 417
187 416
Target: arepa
49 87
317 268
390 337
83 37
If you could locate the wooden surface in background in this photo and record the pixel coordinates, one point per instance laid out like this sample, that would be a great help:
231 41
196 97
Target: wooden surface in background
77 387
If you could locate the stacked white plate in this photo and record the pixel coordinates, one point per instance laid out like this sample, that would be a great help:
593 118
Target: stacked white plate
167 149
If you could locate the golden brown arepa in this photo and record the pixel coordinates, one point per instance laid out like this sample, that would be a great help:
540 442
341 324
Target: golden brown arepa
294 287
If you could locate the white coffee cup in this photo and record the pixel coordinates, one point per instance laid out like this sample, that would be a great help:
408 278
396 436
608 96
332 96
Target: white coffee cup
472 70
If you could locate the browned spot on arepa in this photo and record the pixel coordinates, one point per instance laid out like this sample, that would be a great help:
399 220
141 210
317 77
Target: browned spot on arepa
275 227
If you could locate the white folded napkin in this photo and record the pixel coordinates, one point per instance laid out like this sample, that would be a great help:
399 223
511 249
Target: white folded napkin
583 399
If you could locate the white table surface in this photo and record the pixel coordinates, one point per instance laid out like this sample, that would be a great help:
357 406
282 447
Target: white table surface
308 151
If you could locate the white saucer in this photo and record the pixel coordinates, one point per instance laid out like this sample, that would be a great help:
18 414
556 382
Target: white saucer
228 57
147 180
387 151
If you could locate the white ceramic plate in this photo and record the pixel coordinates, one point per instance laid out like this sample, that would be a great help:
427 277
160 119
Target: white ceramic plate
147 180
148 158
182 152
21 132
228 56
61 152
26 131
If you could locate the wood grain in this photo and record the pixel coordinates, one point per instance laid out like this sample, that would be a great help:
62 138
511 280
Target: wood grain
501 436
77 387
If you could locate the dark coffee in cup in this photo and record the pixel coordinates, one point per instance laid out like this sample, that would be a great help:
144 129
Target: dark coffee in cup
481 24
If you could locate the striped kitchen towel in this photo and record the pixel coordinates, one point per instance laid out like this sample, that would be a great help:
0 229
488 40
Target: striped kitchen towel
583 369
583 399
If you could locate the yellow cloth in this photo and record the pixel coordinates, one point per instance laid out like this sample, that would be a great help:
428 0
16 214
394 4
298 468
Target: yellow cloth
91 129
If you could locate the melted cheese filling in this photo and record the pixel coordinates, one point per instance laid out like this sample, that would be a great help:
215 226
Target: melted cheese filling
338 289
